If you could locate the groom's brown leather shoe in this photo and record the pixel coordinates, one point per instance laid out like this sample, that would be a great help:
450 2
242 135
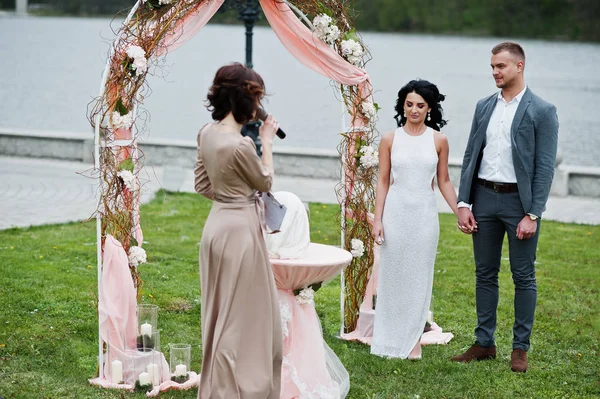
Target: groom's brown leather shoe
518 361
476 352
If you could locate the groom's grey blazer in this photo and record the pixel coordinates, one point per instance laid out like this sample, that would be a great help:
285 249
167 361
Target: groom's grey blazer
534 139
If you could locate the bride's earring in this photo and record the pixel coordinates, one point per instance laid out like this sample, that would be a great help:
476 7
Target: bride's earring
429 116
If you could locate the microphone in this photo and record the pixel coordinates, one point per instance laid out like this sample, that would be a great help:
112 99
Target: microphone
262 115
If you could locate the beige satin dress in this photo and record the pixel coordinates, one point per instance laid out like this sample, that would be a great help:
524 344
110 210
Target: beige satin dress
241 325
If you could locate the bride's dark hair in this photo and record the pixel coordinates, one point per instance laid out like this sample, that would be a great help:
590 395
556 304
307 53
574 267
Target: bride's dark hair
430 94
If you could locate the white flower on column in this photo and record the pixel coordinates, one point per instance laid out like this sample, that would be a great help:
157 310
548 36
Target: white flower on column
368 157
140 63
352 51
333 34
306 296
358 248
128 178
137 256
325 29
119 121
321 23
368 108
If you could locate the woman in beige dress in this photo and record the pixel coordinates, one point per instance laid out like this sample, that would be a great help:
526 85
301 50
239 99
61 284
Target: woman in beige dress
241 326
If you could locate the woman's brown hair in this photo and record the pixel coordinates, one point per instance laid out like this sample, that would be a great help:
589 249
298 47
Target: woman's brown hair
237 89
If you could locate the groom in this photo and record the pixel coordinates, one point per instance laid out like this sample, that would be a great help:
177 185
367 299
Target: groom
506 176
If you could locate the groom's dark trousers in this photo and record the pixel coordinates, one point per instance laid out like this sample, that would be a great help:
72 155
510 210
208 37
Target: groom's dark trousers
498 214
498 211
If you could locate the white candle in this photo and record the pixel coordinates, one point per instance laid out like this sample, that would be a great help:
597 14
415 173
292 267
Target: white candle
144 379
154 373
116 371
180 370
146 329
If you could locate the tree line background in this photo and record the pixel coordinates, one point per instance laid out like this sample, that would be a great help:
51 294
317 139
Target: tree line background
540 19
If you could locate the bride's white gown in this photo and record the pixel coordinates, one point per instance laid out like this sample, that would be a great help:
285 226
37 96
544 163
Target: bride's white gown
411 232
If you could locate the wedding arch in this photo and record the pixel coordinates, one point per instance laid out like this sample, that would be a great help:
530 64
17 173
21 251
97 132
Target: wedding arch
319 34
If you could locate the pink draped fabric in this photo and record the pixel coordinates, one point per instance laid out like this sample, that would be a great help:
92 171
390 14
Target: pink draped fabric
308 49
305 371
117 305
313 52
187 27
117 314
193 381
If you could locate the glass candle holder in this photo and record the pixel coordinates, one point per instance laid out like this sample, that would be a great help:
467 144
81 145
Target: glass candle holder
148 343
149 363
147 324
180 362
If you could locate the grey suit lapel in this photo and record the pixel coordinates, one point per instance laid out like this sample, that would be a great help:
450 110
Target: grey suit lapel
486 115
525 101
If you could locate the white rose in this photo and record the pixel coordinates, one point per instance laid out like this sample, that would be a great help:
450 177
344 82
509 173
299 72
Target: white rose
368 109
140 63
333 34
352 51
135 52
119 121
306 296
322 22
358 248
368 157
137 256
128 179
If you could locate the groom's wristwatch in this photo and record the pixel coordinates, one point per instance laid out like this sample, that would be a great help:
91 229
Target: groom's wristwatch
532 216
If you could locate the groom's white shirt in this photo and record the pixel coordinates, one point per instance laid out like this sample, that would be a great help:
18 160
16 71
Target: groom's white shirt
497 163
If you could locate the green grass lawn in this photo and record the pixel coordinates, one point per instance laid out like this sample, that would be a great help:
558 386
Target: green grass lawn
48 320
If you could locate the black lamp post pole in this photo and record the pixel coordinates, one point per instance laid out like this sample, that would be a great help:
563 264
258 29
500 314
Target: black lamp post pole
249 15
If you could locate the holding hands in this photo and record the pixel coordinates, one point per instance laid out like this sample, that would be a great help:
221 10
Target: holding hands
466 221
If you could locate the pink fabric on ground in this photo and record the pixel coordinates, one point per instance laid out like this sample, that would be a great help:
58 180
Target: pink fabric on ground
193 381
187 27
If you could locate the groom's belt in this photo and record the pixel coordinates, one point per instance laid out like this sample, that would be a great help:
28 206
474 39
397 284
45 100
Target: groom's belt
499 187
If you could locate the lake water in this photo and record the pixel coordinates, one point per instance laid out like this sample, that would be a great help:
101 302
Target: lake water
50 69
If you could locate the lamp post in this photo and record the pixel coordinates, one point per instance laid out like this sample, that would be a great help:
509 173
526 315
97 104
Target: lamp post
249 15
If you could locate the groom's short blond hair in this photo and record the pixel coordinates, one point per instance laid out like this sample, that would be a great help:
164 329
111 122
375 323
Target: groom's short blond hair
513 48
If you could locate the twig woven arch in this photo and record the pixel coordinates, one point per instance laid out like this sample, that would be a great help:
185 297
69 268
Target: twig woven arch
155 27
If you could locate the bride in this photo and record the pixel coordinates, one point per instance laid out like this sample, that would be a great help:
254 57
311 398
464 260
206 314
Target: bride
406 219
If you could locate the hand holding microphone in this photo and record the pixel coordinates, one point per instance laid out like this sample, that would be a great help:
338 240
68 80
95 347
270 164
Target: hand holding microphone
263 116
268 130
262 132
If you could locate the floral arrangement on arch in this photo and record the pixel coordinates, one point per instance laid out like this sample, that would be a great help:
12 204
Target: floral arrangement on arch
330 23
138 50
